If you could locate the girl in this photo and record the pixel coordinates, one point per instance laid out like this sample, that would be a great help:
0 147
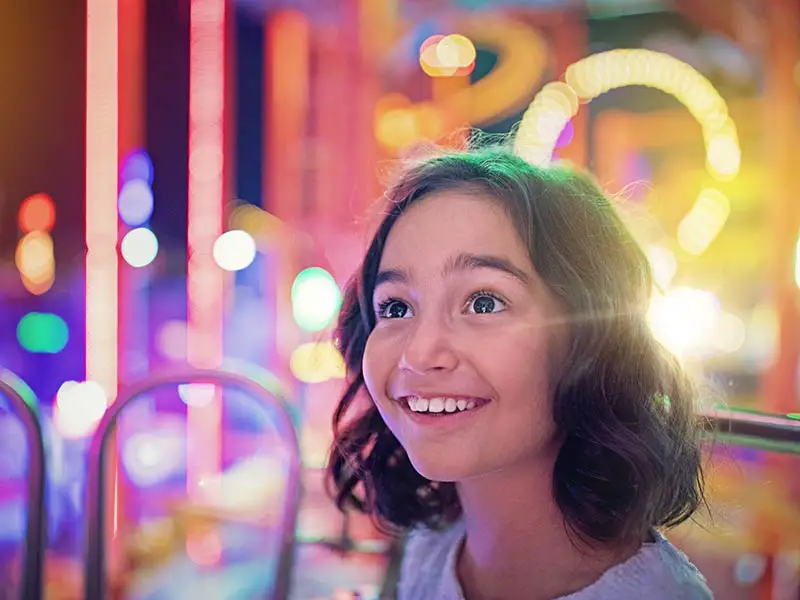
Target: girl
523 424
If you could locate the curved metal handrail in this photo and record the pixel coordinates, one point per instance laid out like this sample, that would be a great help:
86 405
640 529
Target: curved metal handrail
762 431
31 587
259 383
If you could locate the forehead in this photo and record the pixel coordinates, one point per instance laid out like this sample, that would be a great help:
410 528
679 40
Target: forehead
444 224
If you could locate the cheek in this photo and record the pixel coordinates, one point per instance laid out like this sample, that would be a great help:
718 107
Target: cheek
520 352
377 365
521 369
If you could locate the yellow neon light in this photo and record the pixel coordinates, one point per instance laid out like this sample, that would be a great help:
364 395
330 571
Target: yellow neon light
594 75
522 56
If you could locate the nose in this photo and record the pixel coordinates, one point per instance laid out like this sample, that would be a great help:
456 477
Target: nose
428 348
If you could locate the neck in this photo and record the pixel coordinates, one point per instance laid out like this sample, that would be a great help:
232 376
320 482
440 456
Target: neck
517 544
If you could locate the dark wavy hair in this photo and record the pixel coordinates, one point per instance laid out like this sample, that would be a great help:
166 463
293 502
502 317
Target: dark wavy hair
631 453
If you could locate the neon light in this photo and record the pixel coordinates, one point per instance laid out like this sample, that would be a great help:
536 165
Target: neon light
102 111
594 75
205 281
131 288
522 59
286 63
558 102
286 86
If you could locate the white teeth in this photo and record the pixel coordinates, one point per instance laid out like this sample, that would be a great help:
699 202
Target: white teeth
440 405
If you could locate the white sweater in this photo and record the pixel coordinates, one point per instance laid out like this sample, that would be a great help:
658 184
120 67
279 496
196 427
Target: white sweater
658 571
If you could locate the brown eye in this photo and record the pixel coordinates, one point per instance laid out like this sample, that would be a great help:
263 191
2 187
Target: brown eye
394 309
483 303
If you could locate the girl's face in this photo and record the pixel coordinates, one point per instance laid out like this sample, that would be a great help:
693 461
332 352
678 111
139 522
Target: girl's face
460 359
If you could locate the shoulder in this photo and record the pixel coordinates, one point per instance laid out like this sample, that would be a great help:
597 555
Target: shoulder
677 568
428 567
659 569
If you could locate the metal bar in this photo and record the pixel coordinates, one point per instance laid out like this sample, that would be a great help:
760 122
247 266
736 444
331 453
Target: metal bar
756 430
257 382
349 546
16 390
774 433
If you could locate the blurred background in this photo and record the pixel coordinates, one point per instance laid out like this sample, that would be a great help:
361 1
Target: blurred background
186 185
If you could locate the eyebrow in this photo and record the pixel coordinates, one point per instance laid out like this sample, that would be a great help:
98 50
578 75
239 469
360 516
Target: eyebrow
392 276
471 262
462 262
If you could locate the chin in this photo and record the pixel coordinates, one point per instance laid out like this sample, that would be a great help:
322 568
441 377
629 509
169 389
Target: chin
441 468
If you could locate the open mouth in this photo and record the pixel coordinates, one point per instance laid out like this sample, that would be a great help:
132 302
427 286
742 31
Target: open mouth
441 406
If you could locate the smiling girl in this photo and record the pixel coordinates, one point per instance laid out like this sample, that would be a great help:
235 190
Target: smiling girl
522 424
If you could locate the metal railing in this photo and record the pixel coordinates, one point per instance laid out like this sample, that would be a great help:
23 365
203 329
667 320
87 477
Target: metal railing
267 391
761 431
24 403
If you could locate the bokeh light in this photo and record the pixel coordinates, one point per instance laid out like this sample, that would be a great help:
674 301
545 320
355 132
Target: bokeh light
501 93
456 50
447 55
544 121
730 333
137 166
664 265
316 299
197 394
315 362
594 75
704 221
151 458
42 333
34 255
685 320
139 247
204 547
37 213
723 155
171 340
135 203
397 128
78 408
250 487
234 250
399 123
35 261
